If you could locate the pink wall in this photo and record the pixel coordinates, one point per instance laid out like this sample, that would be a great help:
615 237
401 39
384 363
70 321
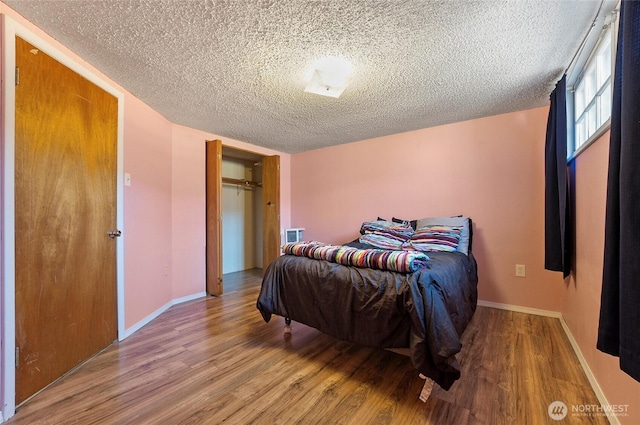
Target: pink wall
490 169
582 301
147 210
188 212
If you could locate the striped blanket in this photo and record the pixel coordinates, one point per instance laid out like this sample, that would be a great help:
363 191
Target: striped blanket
382 259
385 234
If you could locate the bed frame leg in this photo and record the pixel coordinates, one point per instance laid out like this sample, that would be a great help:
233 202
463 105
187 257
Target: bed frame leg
426 388
287 325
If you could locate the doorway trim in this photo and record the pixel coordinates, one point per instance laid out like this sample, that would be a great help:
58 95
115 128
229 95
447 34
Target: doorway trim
216 150
10 30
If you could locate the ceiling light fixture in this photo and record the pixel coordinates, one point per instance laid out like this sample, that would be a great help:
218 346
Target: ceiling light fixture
329 76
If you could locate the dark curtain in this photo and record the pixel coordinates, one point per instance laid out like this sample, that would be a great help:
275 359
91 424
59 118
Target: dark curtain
619 330
557 243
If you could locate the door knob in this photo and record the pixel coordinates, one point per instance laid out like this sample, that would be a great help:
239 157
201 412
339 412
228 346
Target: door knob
114 233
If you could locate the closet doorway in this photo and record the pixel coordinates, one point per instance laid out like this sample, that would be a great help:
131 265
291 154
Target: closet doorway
243 213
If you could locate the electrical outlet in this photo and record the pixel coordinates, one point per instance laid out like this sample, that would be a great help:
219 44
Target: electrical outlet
520 270
166 270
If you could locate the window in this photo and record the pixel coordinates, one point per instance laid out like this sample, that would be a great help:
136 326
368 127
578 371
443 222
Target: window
592 96
590 83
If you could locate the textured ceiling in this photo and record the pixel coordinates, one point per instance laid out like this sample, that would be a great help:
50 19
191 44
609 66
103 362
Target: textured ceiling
237 68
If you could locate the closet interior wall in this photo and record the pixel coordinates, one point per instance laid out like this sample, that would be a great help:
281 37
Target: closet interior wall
241 214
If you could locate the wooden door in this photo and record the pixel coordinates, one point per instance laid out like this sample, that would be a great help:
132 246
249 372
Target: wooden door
65 205
270 209
214 217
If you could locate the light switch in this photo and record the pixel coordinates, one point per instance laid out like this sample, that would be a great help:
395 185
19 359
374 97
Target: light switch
127 179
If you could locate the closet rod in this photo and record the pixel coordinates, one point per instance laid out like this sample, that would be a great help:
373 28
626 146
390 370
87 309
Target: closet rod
241 182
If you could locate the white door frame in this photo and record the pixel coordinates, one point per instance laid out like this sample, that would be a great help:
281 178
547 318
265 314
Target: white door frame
11 29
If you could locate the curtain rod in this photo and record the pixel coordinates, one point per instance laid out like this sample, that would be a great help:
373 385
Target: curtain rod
586 37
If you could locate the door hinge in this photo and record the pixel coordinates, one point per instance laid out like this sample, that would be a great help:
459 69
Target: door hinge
17 357
17 75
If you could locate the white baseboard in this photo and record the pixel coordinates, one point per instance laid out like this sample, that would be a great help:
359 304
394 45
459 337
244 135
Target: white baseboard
574 344
587 370
133 329
189 298
519 309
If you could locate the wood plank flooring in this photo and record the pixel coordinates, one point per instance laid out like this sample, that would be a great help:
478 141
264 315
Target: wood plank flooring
214 360
238 281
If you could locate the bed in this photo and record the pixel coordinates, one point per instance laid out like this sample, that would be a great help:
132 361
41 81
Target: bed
420 305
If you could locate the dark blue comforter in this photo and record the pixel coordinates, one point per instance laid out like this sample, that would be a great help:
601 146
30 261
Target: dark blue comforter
426 311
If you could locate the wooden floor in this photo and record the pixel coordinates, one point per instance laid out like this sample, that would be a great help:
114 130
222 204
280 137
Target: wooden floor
214 360
239 281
